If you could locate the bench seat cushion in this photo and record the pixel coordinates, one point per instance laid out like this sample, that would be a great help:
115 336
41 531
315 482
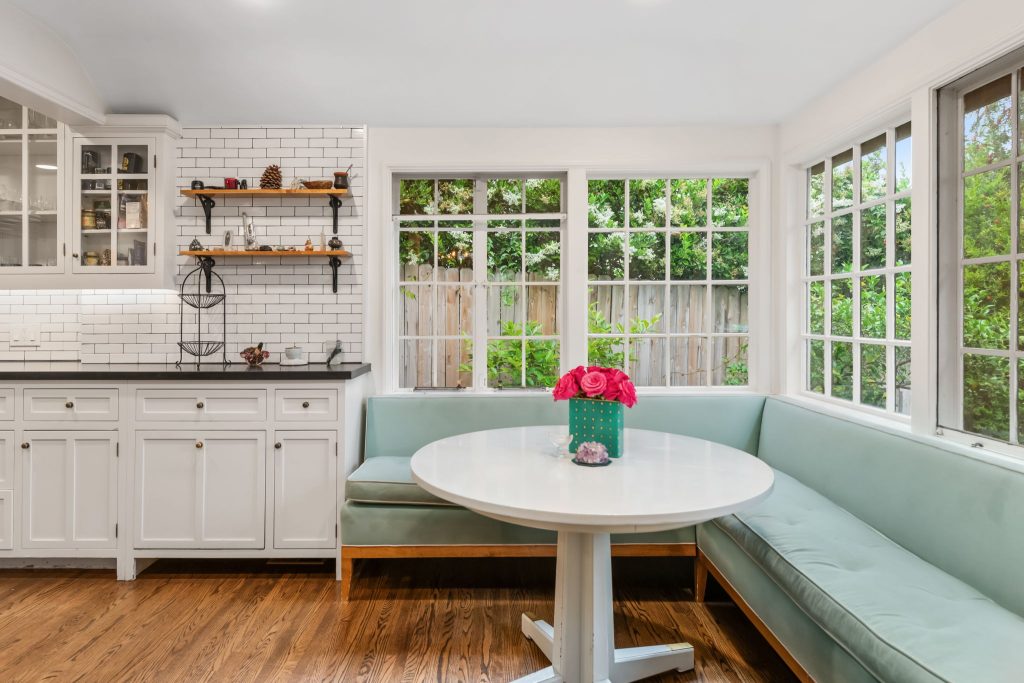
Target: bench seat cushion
387 479
900 617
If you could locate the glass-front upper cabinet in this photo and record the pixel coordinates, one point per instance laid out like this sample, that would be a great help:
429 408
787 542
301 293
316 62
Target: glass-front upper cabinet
30 178
113 199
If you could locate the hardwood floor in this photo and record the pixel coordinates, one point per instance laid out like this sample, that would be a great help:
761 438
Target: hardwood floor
408 621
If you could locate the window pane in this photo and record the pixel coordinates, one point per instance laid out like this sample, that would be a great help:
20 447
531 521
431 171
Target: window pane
986 311
543 195
42 245
729 256
455 310
873 166
543 255
688 360
415 256
904 152
816 306
688 256
542 307
415 359
38 120
902 372
647 308
647 256
816 190
10 172
10 114
842 180
647 203
816 366
842 370
730 302
505 311
842 307
816 240
987 213
454 252
986 396
608 352
454 363
504 255
416 311
987 124
689 202
10 240
504 195
647 361
607 310
455 196
729 202
505 363
902 304
842 243
606 255
687 313
730 357
606 200
903 237
872 306
872 375
541 362
872 237
416 196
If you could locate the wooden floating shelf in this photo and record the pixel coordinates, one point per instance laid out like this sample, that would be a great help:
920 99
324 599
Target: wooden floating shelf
334 257
340 253
206 198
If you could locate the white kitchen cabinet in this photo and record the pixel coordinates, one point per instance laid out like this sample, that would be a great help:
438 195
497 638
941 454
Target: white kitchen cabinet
6 520
6 460
69 489
81 404
6 403
200 489
306 405
201 405
305 493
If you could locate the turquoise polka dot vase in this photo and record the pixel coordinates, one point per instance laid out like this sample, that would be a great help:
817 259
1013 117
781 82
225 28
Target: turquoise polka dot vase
597 420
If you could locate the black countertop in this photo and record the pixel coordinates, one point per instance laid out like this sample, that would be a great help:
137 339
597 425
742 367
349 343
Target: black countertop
14 371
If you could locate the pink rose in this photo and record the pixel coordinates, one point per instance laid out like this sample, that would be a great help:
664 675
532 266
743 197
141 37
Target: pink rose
566 388
615 379
578 372
627 393
593 383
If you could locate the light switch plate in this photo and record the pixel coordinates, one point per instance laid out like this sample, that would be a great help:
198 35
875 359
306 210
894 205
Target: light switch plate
25 335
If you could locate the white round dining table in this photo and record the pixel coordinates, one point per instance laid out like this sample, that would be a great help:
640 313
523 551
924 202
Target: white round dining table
663 481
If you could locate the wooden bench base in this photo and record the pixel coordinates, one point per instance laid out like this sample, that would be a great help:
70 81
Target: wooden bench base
349 554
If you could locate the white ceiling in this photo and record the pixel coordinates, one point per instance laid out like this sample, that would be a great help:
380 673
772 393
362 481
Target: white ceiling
476 62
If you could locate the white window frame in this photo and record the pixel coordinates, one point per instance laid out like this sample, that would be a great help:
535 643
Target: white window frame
762 377
855 275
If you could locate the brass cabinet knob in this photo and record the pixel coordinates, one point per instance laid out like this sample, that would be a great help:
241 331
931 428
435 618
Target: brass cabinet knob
200 405
69 404
25 445
277 445
305 404
199 444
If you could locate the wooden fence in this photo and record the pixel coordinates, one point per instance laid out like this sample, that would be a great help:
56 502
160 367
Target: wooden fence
684 358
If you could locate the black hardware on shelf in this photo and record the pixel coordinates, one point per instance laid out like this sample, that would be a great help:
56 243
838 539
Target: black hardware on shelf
206 263
335 203
334 261
208 203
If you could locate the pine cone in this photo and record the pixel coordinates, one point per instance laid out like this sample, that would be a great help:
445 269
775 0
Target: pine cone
271 179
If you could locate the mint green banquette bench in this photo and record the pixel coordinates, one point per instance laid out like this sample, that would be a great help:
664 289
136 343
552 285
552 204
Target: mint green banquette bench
387 515
878 556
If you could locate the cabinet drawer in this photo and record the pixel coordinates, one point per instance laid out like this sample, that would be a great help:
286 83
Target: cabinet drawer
7 403
200 405
78 404
306 405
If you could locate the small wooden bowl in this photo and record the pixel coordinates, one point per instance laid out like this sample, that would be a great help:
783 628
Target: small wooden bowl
317 184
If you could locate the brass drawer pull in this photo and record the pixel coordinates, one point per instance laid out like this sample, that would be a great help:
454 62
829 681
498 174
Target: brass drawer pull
305 404
69 404
277 445
199 444
25 445
200 405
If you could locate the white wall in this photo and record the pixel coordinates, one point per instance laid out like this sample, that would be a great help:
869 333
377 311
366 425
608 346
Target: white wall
691 149
37 69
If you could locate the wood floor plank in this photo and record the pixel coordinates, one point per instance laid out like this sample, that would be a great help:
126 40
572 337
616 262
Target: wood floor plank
409 621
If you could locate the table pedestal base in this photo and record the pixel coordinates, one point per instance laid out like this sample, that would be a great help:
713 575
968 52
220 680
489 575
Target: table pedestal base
581 644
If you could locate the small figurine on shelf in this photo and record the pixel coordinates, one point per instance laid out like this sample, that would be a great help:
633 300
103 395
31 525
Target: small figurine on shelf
255 355
309 244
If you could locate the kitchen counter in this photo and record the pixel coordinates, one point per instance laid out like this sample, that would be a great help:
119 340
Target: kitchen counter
38 370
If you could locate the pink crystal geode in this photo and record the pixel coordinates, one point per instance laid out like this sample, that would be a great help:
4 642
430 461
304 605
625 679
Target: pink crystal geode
592 453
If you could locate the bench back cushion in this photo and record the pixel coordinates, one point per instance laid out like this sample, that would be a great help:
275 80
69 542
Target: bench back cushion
401 425
959 514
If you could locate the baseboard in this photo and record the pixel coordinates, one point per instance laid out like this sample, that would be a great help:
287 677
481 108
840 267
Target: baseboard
57 563
357 552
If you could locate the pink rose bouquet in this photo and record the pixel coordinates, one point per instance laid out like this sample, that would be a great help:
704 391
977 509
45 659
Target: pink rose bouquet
607 384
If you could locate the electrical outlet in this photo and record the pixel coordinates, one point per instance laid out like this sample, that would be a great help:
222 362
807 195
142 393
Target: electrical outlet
25 335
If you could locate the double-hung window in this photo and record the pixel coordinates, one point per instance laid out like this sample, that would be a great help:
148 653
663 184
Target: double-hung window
479 281
857 273
981 336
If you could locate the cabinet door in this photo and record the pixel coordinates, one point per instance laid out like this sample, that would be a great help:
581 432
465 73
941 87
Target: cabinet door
6 520
305 489
200 489
69 489
6 460
113 200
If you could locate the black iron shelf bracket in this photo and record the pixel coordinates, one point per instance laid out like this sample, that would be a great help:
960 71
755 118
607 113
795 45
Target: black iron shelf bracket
335 203
208 203
207 263
335 262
